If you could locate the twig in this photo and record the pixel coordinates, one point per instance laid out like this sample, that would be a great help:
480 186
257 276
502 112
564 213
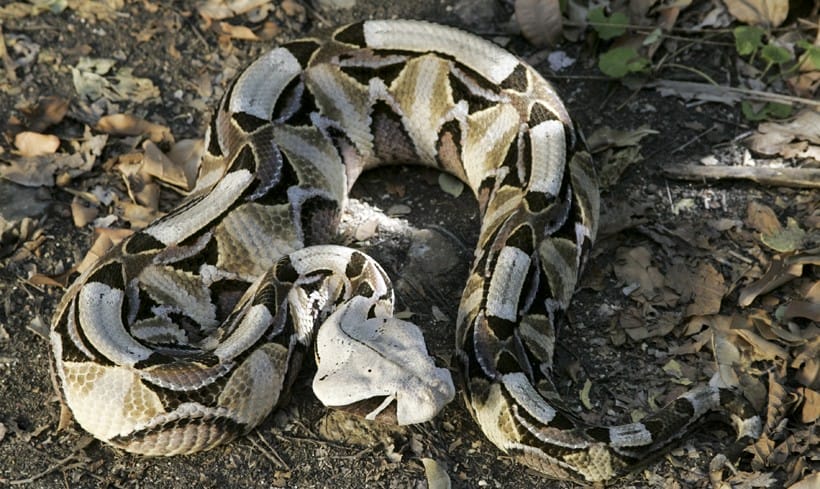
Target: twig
781 177
268 452
715 92
8 64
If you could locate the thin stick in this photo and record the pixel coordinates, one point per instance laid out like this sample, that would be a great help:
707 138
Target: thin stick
696 89
780 177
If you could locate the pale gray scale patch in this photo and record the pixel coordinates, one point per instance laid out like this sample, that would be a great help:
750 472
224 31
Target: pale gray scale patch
629 435
507 282
343 100
549 154
357 59
181 376
260 85
159 330
482 56
132 295
184 290
550 435
101 320
314 158
250 329
173 254
527 397
182 225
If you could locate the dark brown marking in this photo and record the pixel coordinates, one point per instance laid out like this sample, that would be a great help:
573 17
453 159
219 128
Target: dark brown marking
248 122
352 34
302 50
540 113
356 265
142 242
517 80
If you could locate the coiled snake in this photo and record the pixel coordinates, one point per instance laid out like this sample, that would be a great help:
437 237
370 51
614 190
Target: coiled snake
187 333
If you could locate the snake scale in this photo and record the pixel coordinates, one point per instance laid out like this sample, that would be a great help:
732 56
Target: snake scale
189 332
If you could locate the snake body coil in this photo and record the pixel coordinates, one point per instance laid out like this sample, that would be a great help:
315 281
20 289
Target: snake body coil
186 334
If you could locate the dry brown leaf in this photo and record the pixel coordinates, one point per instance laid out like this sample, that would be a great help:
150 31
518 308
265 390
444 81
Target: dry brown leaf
801 309
539 20
773 137
807 363
31 143
129 125
81 212
811 481
47 112
708 289
224 9
633 267
770 13
810 411
782 269
186 154
107 238
137 215
762 218
237 32
159 166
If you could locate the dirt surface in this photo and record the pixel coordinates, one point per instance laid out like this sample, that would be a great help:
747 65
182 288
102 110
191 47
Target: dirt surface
291 449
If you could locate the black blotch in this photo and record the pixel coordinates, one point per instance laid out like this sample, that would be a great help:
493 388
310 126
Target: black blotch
522 238
539 113
352 34
213 139
278 193
285 273
503 328
109 274
462 92
142 242
537 201
371 313
512 177
517 80
355 265
244 160
248 122
302 50
363 74
364 289
507 363
599 433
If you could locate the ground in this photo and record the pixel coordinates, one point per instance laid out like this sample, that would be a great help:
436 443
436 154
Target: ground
172 46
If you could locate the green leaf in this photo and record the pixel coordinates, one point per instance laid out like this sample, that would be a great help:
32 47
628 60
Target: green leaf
769 110
619 62
653 37
812 54
747 39
775 54
607 27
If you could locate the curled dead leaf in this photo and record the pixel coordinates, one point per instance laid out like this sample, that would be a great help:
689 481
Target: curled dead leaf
129 125
770 13
106 239
31 143
540 21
